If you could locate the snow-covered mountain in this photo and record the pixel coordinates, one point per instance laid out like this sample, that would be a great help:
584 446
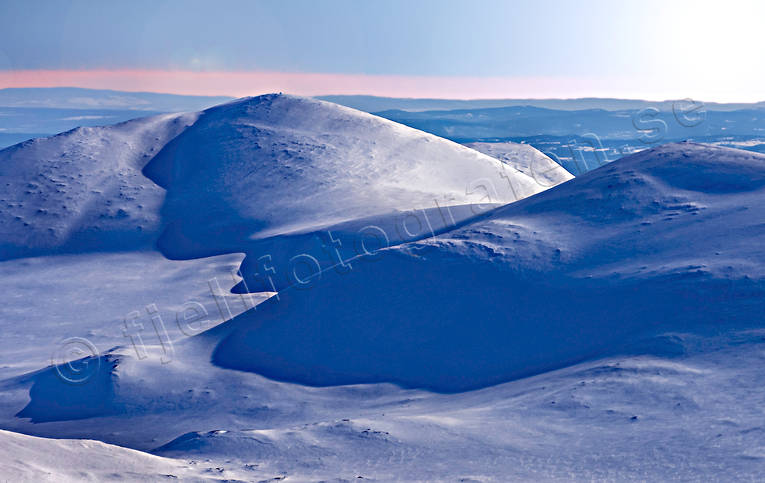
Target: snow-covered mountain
282 166
239 175
427 325
27 113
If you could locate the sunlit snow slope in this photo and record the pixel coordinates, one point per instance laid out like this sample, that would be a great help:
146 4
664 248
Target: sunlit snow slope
525 159
30 459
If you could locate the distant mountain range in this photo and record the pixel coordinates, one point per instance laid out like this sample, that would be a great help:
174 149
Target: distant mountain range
38 112
465 125
79 98
375 104
27 113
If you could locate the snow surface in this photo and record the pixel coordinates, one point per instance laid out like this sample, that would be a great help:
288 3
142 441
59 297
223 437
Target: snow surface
525 159
278 175
82 190
48 301
285 164
608 328
241 175
29 459
634 248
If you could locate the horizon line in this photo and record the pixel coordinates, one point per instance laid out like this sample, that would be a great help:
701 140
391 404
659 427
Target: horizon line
237 84
359 94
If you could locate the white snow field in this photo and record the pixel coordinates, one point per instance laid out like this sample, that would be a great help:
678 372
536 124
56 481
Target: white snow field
609 328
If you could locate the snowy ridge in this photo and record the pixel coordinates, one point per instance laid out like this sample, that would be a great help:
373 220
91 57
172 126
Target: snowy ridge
279 176
82 190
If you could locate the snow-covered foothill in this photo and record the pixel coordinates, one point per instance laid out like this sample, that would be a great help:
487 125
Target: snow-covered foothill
83 190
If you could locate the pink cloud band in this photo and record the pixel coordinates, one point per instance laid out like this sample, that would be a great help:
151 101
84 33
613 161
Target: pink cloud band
240 83
252 83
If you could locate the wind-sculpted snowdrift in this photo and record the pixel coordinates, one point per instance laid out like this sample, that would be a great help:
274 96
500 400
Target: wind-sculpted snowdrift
667 239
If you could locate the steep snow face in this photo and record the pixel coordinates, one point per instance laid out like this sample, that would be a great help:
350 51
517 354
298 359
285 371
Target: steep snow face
668 239
279 165
527 160
83 190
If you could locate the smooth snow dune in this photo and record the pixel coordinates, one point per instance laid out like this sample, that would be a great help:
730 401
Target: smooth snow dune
278 165
83 190
666 239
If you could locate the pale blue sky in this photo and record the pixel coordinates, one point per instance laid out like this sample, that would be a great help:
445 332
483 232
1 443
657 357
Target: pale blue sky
691 43
414 37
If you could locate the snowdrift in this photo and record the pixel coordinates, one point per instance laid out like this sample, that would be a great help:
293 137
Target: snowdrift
79 389
667 239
